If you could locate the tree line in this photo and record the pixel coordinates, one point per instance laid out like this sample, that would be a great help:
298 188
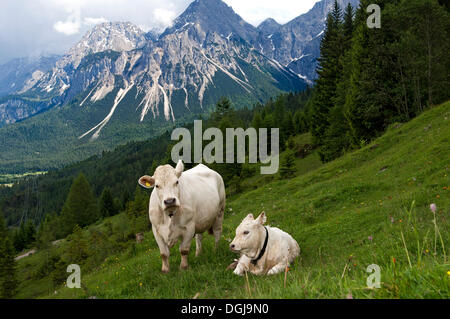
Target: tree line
369 78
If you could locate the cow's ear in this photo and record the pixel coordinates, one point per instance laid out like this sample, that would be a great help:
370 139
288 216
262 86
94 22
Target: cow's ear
146 181
249 217
261 218
179 169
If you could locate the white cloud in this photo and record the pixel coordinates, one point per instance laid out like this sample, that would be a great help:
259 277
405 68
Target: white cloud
72 24
93 21
53 26
164 17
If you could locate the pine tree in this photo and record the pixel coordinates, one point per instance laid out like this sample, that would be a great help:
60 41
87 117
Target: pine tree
257 121
80 207
77 249
371 103
8 281
107 205
44 236
329 73
29 233
348 26
287 167
223 106
126 197
336 140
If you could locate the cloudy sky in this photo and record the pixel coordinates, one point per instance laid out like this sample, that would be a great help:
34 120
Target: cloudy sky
36 27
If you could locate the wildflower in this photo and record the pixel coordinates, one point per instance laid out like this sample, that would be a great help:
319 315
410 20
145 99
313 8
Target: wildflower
140 284
370 238
433 208
448 272
393 260
400 220
427 251
392 220
438 196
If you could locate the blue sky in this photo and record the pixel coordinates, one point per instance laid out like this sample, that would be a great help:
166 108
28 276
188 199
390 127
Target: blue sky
36 27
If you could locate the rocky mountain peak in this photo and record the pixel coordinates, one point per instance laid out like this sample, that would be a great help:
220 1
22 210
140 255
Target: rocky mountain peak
269 26
213 16
115 36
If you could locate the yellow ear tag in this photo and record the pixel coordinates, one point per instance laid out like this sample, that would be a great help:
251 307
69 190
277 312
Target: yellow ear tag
147 184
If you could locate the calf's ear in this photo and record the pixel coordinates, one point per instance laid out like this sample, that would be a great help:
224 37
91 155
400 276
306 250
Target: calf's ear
249 217
179 169
146 181
261 218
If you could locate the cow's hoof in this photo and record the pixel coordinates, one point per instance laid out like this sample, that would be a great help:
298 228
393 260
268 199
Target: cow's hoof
184 267
165 271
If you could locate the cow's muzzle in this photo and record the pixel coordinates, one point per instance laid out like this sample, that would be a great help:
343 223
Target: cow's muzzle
170 202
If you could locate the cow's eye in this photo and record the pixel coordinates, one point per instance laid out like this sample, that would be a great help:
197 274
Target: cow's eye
176 183
157 186
246 232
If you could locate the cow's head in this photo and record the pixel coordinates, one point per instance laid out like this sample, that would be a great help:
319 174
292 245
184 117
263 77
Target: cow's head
250 236
166 181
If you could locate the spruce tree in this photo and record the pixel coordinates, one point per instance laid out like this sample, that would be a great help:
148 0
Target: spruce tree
8 281
77 248
329 73
287 167
44 235
348 26
107 205
80 207
370 103
335 140
29 233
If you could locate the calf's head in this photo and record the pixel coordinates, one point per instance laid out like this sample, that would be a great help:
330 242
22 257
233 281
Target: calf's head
166 182
250 236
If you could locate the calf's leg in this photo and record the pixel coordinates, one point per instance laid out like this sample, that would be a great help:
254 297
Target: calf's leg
243 265
281 267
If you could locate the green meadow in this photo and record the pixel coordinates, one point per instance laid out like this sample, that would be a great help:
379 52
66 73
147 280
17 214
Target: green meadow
371 206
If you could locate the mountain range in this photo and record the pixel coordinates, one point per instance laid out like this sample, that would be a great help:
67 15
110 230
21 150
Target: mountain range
120 83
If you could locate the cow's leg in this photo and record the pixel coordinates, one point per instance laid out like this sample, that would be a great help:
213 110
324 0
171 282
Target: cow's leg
198 244
163 249
185 246
217 227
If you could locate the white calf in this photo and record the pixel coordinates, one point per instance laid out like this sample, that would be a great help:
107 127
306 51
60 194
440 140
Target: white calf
263 249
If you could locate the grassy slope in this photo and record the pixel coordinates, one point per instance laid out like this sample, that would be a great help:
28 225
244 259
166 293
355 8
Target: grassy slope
331 211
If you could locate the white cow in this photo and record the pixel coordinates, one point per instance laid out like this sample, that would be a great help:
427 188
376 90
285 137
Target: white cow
184 205
263 249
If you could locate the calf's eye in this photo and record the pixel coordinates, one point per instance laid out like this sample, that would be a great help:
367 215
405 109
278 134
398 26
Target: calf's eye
246 232
157 186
